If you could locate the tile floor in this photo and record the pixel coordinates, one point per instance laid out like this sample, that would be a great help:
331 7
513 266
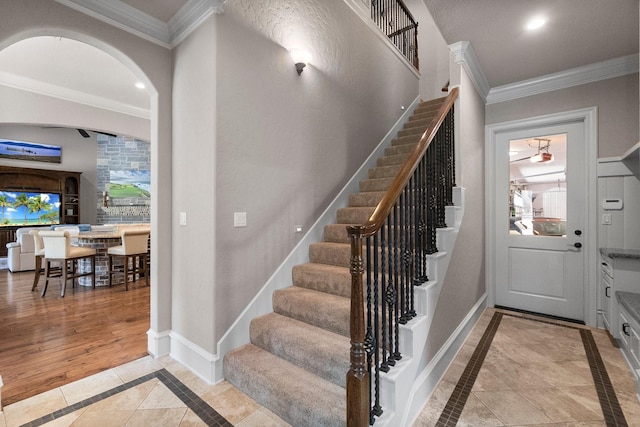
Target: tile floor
533 373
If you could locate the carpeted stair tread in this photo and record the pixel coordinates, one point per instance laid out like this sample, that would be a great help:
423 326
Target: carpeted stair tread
321 352
326 278
293 393
384 171
366 199
378 184
336 233
326 311
399 149
397 159
404 140
330 253
354 215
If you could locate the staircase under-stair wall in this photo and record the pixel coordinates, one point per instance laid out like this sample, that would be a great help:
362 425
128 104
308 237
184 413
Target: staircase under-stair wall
298 355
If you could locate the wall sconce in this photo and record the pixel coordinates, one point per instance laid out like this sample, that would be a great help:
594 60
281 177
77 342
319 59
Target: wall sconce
301 58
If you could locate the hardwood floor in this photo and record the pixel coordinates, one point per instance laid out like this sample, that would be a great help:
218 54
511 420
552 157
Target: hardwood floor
51 341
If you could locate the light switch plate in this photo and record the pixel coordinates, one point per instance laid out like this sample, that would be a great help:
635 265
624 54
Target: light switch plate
183 218
239 219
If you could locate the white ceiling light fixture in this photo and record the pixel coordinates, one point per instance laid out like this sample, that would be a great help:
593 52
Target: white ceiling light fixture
536 23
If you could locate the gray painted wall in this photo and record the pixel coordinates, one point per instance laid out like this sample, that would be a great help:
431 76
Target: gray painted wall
464 283
616 99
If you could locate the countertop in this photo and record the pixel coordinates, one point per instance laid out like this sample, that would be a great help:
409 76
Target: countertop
620 253
630 301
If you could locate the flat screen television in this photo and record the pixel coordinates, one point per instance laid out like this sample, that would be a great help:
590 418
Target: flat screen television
23 208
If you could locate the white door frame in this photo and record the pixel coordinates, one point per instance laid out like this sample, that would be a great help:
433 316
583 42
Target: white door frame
588 117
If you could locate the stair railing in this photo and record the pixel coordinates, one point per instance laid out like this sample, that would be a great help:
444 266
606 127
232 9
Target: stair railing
397 23
397 238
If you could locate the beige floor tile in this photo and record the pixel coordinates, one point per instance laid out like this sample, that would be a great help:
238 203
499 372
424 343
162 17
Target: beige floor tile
476 414
190 419
67 420
562 374
137 368
560 406
130 399
34 407
263 418
233 405
90 386
511 408
103 419
164 417
161 397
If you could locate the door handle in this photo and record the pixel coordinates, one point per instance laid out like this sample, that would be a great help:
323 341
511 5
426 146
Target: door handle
578 232
577 245
625 329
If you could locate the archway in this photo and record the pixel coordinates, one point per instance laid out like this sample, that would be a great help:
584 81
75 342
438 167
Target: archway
68 116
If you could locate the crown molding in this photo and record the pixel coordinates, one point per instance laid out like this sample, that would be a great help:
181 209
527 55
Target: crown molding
71 95
591 73
190 16
463 54
134 21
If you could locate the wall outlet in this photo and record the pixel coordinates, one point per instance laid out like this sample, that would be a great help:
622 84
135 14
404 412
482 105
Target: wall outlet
298 229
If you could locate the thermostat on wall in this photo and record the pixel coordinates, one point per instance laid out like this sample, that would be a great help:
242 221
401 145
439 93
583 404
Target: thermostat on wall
612 204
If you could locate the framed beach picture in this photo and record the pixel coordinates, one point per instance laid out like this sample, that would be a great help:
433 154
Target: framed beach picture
22 150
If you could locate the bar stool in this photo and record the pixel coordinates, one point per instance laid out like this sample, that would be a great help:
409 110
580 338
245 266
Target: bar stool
57 248
134 247
39 253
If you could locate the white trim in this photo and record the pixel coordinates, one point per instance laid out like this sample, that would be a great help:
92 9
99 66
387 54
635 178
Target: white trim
588 116
463 54
568 78
158 343
198 360
427 381
66 94
238 333
190 16
134 21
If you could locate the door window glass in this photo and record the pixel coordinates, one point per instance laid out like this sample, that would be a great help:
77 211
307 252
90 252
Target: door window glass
538 186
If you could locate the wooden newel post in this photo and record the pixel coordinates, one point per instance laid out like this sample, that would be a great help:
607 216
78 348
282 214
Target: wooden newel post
358 375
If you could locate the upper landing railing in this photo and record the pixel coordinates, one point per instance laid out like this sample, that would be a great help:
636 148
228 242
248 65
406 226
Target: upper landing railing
397 23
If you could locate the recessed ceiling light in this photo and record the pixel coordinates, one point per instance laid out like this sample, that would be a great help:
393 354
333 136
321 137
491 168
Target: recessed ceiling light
140 85
536 23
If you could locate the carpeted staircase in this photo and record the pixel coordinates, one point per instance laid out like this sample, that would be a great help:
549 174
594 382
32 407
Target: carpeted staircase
298 357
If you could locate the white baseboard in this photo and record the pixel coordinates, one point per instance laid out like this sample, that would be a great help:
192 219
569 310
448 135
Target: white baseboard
198 360
427 381
158 343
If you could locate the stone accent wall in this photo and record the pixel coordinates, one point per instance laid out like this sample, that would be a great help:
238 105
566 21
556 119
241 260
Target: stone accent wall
121 154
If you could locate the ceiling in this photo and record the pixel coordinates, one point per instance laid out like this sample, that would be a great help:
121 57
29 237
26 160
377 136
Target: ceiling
578 33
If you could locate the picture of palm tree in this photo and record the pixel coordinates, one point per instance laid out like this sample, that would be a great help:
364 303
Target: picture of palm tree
23 208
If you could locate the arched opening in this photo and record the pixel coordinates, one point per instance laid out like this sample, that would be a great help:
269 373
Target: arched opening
63 83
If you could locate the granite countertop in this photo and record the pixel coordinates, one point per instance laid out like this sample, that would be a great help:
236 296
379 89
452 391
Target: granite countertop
630 301
620 253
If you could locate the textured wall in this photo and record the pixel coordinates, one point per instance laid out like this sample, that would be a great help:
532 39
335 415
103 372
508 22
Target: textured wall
286 144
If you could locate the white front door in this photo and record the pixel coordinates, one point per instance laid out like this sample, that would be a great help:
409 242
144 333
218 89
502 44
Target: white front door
539 221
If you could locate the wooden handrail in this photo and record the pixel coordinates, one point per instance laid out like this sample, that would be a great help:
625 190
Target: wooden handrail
358 378
379 216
